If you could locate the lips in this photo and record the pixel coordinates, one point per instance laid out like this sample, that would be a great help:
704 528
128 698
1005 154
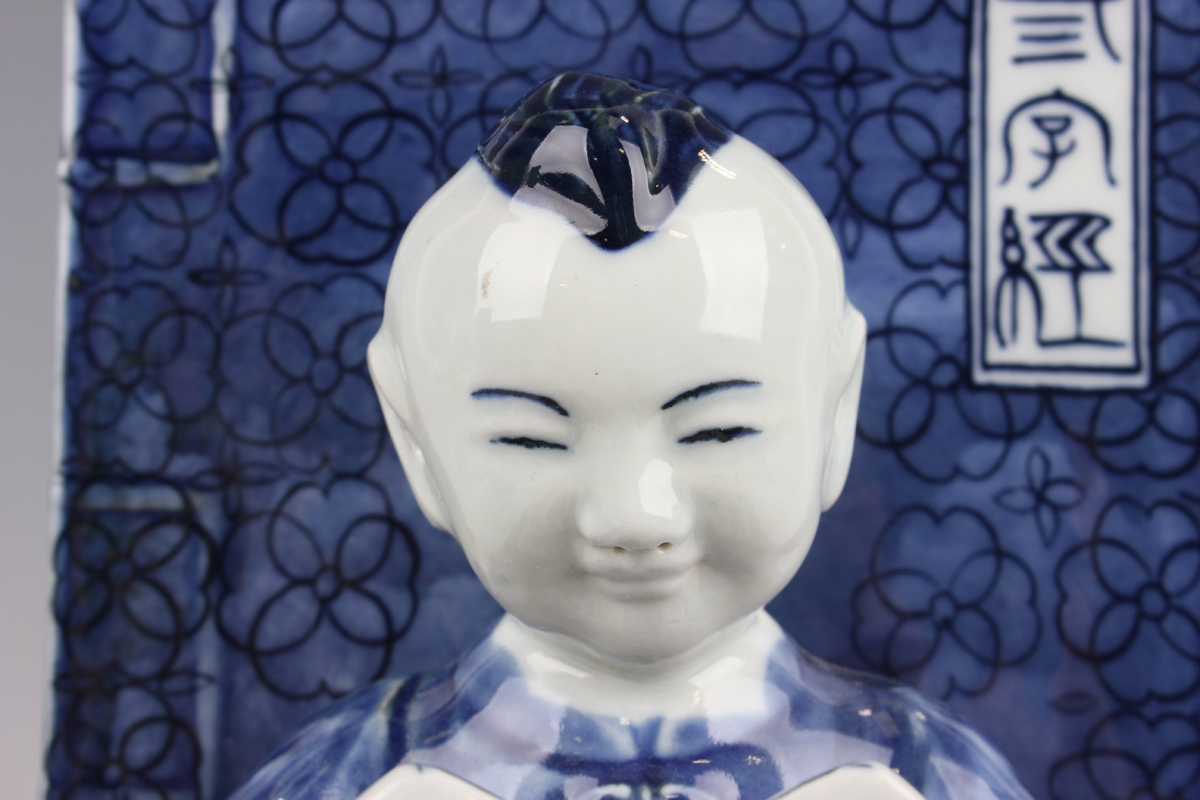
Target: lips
639 581
639 575
641 588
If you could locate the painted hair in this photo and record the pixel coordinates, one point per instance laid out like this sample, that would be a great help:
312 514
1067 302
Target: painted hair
612 156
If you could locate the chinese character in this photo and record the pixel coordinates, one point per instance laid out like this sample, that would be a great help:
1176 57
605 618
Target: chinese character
1053 116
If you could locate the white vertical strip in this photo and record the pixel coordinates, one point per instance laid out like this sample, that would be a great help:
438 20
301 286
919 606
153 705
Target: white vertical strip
65 232
30 57
222 70
1059 219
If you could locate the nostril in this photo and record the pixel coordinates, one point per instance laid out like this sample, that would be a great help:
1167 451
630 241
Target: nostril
664 547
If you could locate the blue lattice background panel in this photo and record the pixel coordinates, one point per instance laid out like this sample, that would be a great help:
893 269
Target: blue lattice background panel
240 547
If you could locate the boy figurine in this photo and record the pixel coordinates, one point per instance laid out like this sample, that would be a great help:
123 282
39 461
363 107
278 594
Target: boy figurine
619 367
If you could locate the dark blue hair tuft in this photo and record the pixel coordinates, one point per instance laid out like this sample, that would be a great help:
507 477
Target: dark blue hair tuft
612 156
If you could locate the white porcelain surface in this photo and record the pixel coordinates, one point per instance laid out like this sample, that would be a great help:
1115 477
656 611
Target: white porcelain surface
612 540
633 445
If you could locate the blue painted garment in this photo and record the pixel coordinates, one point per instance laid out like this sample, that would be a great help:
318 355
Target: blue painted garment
482 720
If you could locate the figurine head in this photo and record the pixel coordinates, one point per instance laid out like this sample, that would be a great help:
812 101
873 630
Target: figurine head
618 365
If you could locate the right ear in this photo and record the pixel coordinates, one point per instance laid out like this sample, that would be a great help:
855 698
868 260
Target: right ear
391 386
847 383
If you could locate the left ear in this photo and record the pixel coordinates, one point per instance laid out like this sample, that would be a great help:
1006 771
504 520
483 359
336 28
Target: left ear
847 383
391 385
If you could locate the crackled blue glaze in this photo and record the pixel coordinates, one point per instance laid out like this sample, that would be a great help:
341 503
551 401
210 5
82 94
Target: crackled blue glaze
482 720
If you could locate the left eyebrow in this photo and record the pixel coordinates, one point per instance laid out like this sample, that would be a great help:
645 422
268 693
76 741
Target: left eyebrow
548 402
708 388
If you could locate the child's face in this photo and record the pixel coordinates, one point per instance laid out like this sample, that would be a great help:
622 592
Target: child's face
629 444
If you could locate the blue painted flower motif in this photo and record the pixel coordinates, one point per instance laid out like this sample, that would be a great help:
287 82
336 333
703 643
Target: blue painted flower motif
912 25
136 567
113 33
1176 193
320 588
334 38
151 121
1156 431
128 738
1043 496
909 174
843 76
128 217
725 36
1131 754
341 194
541 37
234 474
643 70
918 402
944 603
436 83
145 365
296 376
1128 600
227 278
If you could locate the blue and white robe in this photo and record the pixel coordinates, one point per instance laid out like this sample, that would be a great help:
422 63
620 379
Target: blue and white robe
480 719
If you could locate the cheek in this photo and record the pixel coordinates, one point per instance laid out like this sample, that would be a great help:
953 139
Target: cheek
756 528
512 515
759 515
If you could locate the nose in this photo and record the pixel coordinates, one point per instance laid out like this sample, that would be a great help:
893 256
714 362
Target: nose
631 505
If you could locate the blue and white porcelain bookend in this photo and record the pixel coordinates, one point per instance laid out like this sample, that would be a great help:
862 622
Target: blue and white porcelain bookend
619 367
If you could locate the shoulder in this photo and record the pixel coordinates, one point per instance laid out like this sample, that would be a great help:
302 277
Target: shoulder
344 750
339 753
943 757
951 758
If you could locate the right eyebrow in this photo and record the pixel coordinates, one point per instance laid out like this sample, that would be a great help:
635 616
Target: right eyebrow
708 388
548 402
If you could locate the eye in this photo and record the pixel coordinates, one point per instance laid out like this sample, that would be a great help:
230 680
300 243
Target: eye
528 443
719 435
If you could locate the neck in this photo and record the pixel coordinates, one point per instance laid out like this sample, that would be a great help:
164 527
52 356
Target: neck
723 675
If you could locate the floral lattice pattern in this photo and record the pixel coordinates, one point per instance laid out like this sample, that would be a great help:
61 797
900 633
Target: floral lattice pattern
239 545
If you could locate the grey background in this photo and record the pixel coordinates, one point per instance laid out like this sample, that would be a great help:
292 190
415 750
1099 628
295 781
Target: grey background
30 112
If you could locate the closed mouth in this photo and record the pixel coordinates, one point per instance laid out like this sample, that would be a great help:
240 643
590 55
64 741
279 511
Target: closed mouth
641 584
639 575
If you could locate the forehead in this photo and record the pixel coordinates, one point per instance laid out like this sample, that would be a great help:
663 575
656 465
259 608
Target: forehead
743 275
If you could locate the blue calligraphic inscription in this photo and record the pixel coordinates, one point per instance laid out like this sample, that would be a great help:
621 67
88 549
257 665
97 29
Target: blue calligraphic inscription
1059 230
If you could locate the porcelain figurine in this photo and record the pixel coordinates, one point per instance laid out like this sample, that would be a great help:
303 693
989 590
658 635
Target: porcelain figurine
619 367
